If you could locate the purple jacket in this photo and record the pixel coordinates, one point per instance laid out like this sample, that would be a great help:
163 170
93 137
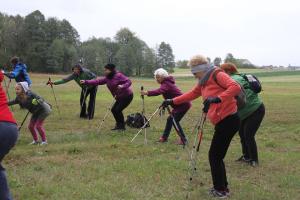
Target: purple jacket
169 91
112 85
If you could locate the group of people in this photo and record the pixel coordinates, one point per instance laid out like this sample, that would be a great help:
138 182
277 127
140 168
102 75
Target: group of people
218 86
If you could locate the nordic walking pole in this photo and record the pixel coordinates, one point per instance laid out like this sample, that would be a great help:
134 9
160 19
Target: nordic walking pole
23 121
143 113
158 109
106 114
198 135
176 126
49 81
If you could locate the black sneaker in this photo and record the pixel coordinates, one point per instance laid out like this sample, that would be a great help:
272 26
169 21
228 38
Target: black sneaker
218 193
243 159
117 128
227 192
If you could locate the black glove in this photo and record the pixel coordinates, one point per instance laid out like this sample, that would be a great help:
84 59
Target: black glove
209 101
167 102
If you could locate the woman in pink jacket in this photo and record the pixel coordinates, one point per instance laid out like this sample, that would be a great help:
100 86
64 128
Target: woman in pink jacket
219 98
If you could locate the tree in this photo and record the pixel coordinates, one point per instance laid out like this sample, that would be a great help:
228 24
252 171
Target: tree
36 46
165 57
229 58
182 64
53 45
240 63
217 61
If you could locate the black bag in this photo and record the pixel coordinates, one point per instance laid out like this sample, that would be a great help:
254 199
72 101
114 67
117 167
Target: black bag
253 81
136 120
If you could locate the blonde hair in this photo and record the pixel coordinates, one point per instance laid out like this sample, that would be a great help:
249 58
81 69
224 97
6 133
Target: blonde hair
197 60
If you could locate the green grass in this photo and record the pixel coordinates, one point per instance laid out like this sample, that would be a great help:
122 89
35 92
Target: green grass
81 164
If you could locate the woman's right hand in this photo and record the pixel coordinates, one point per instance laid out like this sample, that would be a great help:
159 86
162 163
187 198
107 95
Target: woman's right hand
82 82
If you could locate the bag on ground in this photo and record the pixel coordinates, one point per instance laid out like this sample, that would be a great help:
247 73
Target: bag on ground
136 120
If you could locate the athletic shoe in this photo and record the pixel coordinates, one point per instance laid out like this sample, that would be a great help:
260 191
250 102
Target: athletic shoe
227 192
181 142
118 129
218 193
43 143
34 143
162 139
243 159
253 163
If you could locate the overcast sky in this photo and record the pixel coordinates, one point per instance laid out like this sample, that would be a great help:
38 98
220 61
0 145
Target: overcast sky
264 31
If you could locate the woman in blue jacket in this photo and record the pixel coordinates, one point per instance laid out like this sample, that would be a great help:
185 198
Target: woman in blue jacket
19 72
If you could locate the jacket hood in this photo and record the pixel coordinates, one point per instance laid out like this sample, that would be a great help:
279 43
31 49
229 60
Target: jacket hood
24 86
169 79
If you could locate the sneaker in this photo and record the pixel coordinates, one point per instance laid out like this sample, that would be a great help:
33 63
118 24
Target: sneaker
44 143
227 192
181 142
162 139
253 163
118 129
34 143
218 193
243 159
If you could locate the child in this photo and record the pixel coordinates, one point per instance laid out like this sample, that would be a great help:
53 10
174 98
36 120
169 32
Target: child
119 86
39 108
8 137
169 90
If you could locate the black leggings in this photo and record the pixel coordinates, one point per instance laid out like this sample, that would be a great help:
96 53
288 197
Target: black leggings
8 137
224 132
177 116
91 107
248 129
118 107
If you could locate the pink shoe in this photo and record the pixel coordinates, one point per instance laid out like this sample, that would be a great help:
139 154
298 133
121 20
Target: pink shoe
162 139
181 142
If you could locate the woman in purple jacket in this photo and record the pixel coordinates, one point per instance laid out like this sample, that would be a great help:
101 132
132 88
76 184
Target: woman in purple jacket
119 86
169 90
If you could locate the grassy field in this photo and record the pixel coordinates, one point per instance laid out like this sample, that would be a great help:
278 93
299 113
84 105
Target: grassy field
81 164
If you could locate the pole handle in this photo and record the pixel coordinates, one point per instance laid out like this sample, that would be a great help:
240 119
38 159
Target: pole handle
142 89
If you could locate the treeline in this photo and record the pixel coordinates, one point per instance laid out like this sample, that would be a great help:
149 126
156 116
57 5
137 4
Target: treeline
240 63
53 46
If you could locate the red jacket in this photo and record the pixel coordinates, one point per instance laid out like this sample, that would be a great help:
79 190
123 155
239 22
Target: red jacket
216 112
5 114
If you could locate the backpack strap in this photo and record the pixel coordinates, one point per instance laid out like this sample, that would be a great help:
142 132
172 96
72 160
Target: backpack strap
215 73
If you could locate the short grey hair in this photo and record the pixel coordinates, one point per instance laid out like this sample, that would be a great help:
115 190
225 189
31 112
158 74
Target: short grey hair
161 72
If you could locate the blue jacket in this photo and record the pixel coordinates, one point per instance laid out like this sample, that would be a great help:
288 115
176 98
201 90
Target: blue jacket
20 73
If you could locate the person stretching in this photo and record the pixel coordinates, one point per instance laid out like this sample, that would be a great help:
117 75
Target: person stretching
168 90
119 86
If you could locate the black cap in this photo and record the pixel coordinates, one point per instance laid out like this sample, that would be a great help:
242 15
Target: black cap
110 66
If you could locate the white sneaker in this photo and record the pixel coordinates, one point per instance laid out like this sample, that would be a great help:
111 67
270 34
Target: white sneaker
44 143
34 143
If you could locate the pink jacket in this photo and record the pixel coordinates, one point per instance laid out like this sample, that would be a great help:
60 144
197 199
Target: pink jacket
216 112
